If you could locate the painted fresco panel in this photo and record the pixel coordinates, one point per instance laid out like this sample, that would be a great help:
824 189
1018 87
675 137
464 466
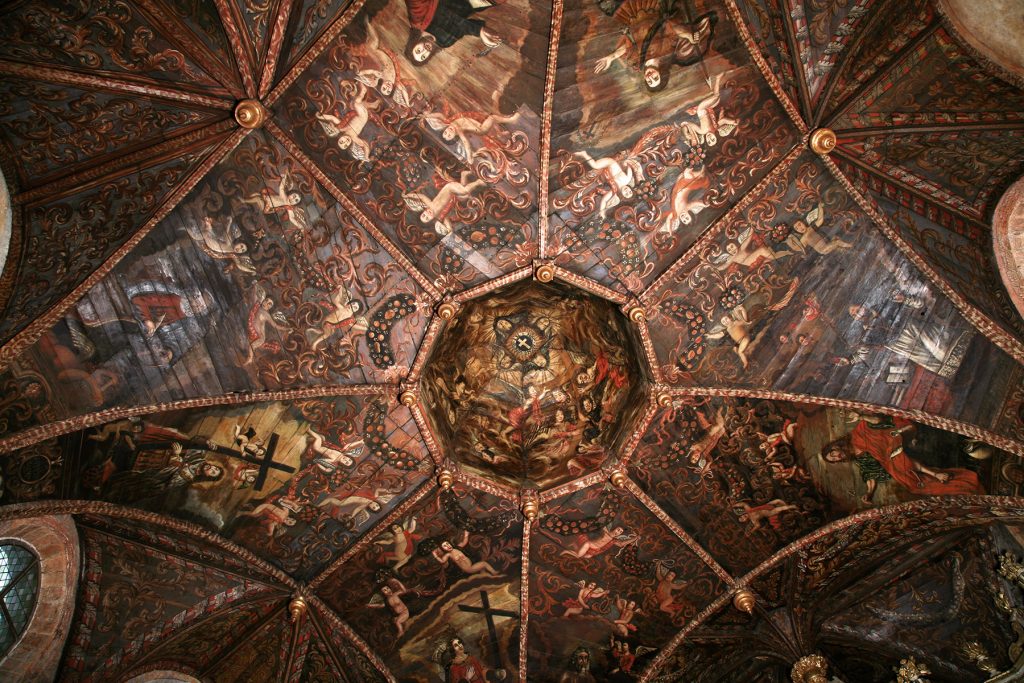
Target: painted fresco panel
256 281
338 465
747 477
823 30
447 571
111 36
67 238
771 301
628 197
764 20
609 584
438 153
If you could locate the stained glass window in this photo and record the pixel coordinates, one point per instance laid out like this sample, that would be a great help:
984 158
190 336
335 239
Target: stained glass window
19 585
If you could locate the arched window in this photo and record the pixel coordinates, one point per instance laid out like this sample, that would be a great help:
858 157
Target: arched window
1008 238
19 587
163 677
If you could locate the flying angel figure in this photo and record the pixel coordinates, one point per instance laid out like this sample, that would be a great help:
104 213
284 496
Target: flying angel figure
743 252
711 123
438 208
402 540
221 243
683 206
805 235
283 201
458 127
619 176
342 315
262 315
738 323
349 128
384 77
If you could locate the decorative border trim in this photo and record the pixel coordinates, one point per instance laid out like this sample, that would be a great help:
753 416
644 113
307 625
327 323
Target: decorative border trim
963 428
588 285
994 332
1011 270
275 45
493 284
239 39
524 600
630 446
550 75
357 642
988 64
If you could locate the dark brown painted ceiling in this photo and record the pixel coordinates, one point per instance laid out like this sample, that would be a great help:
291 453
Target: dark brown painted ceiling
774 371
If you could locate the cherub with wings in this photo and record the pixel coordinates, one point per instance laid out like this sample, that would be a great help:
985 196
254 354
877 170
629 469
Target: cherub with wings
282 201
438 208
390 596
349 127
683 206
710 124
457 128
578 605
666 589
623 624
805 235
271 515
402 540
261 316
747 251
383 73
342 315
618 176
739 323
757 514
220 243
700 451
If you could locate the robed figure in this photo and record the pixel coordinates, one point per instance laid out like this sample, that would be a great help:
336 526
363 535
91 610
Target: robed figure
441 23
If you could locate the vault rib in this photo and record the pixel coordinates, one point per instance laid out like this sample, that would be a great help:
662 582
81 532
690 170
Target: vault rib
393 250
524 600
314 51
990 329
33 435
1002 509
762 65
712 231
321 632
261 625
912 129
131 85
964 428
550 75
275 46
35 329
237 33
803 90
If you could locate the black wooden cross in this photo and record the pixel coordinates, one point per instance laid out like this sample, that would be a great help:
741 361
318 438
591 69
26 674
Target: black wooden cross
265 462
489 614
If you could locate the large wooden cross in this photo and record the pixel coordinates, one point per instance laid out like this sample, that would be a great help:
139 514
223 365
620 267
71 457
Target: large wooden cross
489 614
265 462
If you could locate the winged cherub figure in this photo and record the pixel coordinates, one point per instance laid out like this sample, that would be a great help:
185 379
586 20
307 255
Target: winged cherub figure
438 208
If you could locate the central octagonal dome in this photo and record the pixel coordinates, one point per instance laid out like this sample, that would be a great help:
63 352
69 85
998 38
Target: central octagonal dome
535 383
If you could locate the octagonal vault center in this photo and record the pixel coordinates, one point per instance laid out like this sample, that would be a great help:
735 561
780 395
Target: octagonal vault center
534 384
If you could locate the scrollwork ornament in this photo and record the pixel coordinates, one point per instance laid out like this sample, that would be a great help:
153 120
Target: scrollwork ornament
810 669
1011 569
910 671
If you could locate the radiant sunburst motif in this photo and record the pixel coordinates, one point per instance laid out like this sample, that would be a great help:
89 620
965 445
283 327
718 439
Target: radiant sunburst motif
534 383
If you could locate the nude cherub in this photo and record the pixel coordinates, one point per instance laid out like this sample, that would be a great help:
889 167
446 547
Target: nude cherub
579 605
619 180
757 514
770 442
341 316
805 235
438 208
391 594
349 128
744 253
683 207
220 243
738 326
261 316
385 76
622 625
711 124
460 126
271 516
328 457
701 449
281 201
402 539
665 591
606 539
446 552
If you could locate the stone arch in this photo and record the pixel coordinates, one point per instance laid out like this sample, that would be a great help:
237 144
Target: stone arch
992 29
37 653
1008 241
6 221
163 676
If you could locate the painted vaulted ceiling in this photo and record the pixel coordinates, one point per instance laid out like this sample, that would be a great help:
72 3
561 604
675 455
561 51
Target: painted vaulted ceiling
518 338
